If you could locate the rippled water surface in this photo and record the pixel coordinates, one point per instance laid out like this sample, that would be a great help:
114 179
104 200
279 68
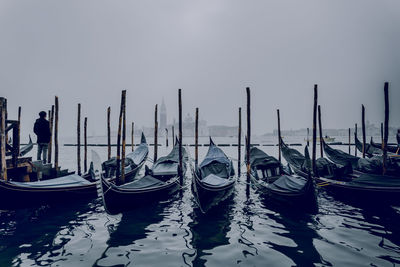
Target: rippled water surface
243 231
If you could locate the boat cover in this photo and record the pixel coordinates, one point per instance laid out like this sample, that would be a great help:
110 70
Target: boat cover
376 180
140 153
215 180
168 165
370 151
289 184
392 149
144 182
216 162
260 160
294 157
340 157
65 181
371 165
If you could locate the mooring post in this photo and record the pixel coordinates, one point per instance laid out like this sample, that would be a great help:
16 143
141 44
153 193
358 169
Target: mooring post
173 135
349 140
155 133
308 136
314 151
166 137
78 130
56 135
321 139
123 143
108 134
355 136
3 165
363 130
196 139
386 127
132 136
180 137
85 145
382 135
279 135
248 135
51 119
121 112
239 140
19 130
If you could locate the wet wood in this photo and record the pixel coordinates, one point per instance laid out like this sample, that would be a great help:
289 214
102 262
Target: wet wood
385 127
355 136
78 134
308 136
51 119
166 137
321 138
180 171
121 112
132 137
349 140
314 140
382 135
155 133
279 136
108 133
239 140
85 146
363 130
248 135
196 138
56 134
3 164
19 131
123 143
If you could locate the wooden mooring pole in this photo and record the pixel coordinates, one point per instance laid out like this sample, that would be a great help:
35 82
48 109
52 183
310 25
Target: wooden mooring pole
51 119
173 135
382 135
248 135
239 140
108 134
363 130
386 127
123 143
56 135
180 171
321 139
308 136
349 140
196 139
279 135
19 131
3 165
132 136
121 112
166 137
85 146
314 141
155 133
355 136
78 148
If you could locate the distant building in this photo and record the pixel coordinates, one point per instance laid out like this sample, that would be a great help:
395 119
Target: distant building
221 130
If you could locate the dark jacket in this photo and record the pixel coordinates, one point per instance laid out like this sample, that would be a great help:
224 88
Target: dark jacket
42 130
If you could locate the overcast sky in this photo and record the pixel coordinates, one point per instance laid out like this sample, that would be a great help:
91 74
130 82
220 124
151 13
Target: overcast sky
88 51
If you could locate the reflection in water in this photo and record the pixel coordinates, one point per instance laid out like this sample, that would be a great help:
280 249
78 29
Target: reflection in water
210 230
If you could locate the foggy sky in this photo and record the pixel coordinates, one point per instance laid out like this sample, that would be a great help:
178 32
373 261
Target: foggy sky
88 51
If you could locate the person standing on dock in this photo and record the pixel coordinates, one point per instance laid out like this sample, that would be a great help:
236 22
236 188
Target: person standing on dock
42 131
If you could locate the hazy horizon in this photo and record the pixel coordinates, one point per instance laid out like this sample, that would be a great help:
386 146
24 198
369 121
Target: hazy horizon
87 52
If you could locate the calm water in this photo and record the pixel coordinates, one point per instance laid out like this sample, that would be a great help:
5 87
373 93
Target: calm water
244 231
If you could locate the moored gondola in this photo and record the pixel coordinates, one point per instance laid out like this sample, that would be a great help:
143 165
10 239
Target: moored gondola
370 150
158 183
391 149
274 183
134 161
214 179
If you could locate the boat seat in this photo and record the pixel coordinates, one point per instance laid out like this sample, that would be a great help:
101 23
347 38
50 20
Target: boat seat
142 183
69 180
214 180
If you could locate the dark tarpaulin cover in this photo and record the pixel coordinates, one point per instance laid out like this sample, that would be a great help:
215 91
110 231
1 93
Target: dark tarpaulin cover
168 165
376 180
392 149
293 157
372 165
259 158
140 153
370 151
216 162
289 184
340 157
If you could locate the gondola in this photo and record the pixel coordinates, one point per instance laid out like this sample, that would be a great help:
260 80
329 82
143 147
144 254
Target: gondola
270 179
391 149
61 189
370 150
158 183
133 162
214 179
